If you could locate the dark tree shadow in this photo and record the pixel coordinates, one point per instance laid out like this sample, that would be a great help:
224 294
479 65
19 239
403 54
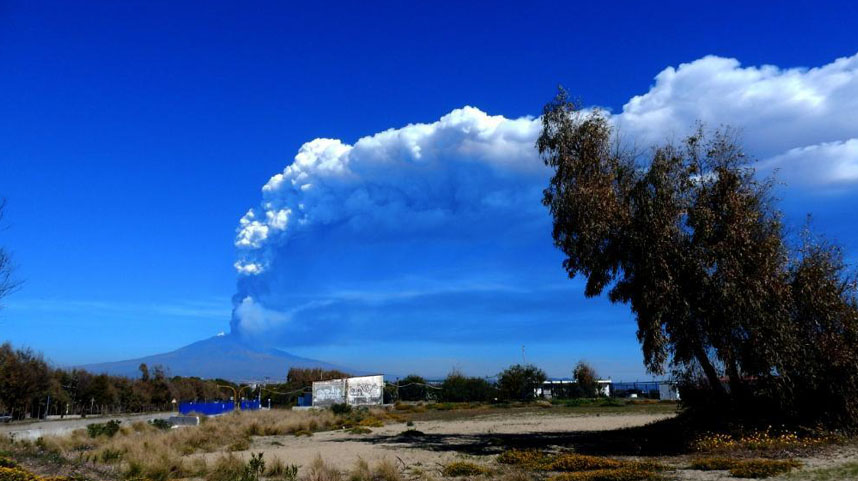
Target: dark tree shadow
662 438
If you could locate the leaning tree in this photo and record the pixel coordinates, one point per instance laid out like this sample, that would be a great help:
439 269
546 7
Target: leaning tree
689 238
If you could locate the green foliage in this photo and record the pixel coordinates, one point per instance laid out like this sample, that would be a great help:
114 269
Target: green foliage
459 388
8 463
255 467
585 379
519 382
412 388
341 409
109 429
162 424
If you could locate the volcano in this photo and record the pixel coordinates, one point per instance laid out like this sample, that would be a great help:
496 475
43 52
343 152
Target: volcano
223 356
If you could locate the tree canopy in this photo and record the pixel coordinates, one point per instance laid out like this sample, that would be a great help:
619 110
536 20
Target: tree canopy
690 239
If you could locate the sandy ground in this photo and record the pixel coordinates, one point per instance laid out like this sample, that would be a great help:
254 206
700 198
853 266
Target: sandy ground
449 440
35 429
444 440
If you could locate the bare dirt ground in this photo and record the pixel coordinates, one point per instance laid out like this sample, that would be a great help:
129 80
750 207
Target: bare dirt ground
443 440
478 438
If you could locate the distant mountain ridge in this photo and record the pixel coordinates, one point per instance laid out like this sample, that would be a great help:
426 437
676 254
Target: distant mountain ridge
223 356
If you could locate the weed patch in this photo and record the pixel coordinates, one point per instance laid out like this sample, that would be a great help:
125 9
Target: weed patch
763 468
464 468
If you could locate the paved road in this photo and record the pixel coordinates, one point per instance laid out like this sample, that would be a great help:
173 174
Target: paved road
36 429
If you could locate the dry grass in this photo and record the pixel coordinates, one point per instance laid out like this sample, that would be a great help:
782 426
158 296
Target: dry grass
768 440
141 450
464 468
384 470
615 474
763 468
713 463
572 462
320 471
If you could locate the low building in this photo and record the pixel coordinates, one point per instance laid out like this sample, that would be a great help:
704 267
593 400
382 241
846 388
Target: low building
354 391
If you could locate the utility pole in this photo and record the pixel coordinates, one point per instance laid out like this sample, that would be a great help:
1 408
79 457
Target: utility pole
523 358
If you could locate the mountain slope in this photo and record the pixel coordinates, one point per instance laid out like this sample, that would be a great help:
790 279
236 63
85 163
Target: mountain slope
224 357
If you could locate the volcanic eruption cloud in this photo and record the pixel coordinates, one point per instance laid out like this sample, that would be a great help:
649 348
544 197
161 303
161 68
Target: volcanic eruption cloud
436 232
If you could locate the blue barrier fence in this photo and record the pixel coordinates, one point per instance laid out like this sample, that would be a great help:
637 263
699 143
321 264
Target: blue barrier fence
213 408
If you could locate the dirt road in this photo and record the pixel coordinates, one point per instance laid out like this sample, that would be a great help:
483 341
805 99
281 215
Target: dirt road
35 429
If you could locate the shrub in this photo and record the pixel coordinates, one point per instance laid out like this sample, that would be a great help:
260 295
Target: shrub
226 468
109 429
162 424
529 459
580 462
277 469
319 471
16 474
341 409
713 463
763 468
360 430
519 383
586 379
459 388
463 468
372 422
412 388
617 474
8 463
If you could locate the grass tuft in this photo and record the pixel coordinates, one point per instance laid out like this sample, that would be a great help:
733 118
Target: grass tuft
763 468
615 474
464 468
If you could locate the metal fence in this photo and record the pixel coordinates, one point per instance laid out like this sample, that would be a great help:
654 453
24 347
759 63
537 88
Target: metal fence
213 408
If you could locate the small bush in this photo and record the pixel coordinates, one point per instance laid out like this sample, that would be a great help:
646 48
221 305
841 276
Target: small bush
713 463
360 430
16 474
372 422
341 409
580 462
529 459
616 474
8 463
463 468
276 468
109 429
763 468
161 424
110 455
226 468
319 471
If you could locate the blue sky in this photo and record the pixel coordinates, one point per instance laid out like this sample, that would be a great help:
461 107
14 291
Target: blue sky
135 135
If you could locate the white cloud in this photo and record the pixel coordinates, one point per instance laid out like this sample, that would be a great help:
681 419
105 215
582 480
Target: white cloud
417 177
825 164
776 110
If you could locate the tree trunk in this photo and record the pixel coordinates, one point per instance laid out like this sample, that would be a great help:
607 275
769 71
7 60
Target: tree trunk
709 370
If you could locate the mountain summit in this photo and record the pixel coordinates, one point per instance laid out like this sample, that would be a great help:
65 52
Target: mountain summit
222 356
